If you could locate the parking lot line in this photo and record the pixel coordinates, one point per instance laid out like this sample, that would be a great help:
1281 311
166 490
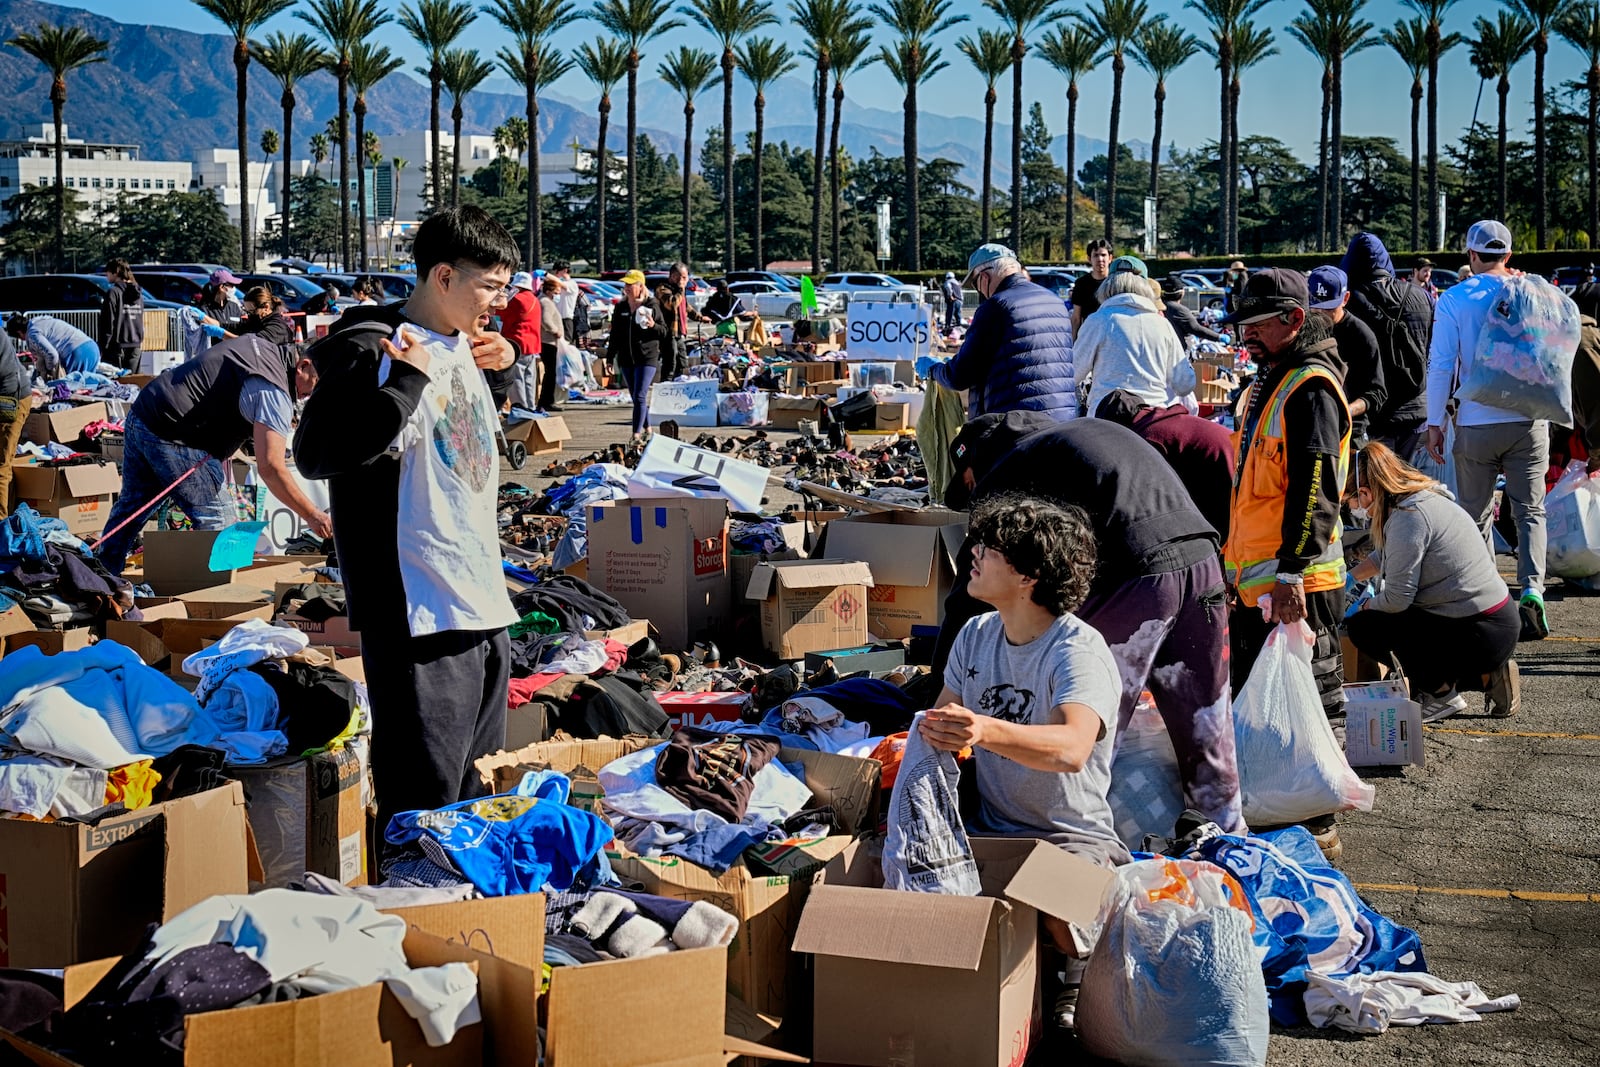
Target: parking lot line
1511 733
1491 894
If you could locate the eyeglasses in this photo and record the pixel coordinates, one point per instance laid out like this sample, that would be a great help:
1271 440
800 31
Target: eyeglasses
503 291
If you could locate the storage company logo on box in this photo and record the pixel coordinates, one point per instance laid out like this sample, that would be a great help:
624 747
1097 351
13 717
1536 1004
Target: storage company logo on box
708 557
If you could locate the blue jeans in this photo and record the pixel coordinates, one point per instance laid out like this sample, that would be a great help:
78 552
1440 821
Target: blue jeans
86 357
639 380
149 465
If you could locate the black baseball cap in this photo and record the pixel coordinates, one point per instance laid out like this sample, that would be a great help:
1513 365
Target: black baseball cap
1270 292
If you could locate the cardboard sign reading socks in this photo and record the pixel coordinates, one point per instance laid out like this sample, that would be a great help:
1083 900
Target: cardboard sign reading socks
671 468
889 331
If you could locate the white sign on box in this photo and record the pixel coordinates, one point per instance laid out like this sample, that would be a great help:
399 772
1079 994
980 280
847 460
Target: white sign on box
691 403
889 331
672 468
284 525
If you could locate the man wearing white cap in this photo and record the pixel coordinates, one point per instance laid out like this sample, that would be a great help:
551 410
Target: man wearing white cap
1017 355
952 301
521 322
1490 441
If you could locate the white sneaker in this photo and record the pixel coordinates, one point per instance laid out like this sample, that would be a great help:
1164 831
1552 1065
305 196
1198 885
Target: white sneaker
1443 706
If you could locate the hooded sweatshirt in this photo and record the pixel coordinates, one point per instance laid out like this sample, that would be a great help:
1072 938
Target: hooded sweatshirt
1127 344
1401 317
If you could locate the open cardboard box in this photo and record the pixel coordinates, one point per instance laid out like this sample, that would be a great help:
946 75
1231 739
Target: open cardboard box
540 436
811 605
913 559
888 966
163 641
63 427
249 589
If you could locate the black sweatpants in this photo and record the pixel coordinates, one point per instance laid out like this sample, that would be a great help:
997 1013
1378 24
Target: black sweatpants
1437 651
548 356
1247 636
438 704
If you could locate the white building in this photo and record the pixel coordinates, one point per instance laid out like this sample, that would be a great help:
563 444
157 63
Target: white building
477 151
97 172
217 170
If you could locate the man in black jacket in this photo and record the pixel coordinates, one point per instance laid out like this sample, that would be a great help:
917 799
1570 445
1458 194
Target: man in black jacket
1157 594
1184 322
1364 387
191 420
1401 318
401 426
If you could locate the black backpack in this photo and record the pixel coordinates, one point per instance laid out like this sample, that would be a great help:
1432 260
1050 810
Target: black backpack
1402 321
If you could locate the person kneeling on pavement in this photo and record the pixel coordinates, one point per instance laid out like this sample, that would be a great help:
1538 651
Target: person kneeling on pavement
1442 607
1034 691
187 424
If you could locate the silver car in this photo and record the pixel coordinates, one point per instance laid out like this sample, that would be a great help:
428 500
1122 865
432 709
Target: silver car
772 302
853 285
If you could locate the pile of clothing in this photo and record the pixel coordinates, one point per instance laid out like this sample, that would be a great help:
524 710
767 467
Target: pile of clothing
595 484
54 576
231 952
588 926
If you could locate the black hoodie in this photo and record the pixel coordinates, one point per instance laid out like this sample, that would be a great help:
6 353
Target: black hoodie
1401 317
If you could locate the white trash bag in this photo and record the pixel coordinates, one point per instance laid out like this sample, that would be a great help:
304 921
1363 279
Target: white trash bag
1572 521
572 368
1174 977
1146 794
1291 767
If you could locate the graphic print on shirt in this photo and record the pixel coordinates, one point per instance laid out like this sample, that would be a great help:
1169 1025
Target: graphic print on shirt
467 827
461 436
1007 702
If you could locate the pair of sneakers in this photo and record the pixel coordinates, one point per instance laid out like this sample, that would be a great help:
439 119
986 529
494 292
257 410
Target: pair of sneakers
1502 698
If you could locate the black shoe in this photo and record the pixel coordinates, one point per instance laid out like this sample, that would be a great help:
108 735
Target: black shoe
1535 626
1065 1013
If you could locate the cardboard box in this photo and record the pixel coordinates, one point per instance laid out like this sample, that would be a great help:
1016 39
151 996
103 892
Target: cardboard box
307 814
1383 726
825 389
157 363
540 436
913 559
785 412
893 416
698 709
250 589
768 905
14 620
665 560
882 957
63 427
831 370
51 642
178 561
71 892
741 565
873 657
162 643
332 632
80 496
809 605
634 632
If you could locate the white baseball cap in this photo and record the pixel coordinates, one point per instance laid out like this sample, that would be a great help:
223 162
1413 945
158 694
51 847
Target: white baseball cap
522 280
1489 236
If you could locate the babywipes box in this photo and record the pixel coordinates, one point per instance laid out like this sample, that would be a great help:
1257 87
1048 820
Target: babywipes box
1383 727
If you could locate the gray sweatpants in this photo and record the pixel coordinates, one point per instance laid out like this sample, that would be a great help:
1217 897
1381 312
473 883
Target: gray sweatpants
525 381
1520 450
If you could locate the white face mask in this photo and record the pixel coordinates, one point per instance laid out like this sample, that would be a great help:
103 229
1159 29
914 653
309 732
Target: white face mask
1358 514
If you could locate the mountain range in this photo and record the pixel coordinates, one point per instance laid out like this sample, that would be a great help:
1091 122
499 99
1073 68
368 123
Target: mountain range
171 92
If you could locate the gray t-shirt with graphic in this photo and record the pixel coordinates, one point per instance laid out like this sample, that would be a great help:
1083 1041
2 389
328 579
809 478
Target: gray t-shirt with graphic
1067 664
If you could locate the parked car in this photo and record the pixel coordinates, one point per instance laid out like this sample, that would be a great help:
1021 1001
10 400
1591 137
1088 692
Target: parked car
1208 293
865 286
782 281
395 286
771 301
602 297
181 268
1569 278
1058 280
63 292
295 290
180 287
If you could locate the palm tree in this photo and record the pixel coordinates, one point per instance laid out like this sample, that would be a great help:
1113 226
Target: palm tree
396 165
1333 31
318 144
1545 16
511 139
342 23
912 59
989 52
1020 19
1499 46
1409 39
1223 17
1581 30
435 25
849 56
371 158
763 61
637 22
530 23
269 148
369 65
1071 50
1118 23
464 71
604 62
1251 45
1313 30
1161 48
62 50
289 58
821 23
1433 12
242 18
688 71
730 21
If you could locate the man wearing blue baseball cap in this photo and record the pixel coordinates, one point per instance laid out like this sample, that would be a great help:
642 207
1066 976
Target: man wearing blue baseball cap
1358 347
1017 355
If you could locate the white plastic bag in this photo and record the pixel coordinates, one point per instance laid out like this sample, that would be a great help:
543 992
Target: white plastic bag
1572 521
1290 765
1523 358
572 368
1174 977
1146 794
1442 472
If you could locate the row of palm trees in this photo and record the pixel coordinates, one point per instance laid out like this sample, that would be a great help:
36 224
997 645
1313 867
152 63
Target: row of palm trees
838 37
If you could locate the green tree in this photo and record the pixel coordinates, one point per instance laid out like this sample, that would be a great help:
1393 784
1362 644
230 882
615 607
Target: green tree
849 56
1118 23
318 144
1161 48
62 50
1071 50
1044 190
369 65
821 24
1332 30
435 25
604 62
636 22
290 58
172 227
1433 13
1093 175
31 234
1409 40
763 62
1498 47
688 72
1545 17
315 204
511 139
1223 18
1581 29
464 71
343 24
989 52
1251 46
1020 20
397 164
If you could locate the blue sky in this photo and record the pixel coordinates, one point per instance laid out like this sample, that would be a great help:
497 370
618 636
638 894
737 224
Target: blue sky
1281 98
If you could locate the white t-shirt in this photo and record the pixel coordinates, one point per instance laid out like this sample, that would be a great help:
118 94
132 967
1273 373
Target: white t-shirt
566 297
449 537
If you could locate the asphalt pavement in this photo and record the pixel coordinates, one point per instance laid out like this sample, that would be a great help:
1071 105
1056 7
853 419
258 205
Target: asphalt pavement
1491 851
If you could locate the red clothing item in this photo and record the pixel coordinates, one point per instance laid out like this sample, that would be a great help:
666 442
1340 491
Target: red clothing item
520 322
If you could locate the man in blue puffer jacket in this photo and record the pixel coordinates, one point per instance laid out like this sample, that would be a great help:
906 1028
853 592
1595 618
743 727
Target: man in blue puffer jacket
1017 355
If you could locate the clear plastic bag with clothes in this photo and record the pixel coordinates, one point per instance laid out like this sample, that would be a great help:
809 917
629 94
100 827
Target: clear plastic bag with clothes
1174 977
1291 767
1522 361
1146 794
1572 523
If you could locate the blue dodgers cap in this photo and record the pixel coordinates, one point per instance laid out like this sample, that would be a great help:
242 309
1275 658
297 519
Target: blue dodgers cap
987 254
1328 286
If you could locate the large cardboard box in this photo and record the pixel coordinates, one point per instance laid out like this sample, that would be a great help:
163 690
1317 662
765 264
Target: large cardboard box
250 589
1383 726
665 560
63 427
882 957
579 760
79 496
71 892
893 416
307 814
540 436
811 605
913 559
50 642
786 412
741 565
179 561
767 905
163 642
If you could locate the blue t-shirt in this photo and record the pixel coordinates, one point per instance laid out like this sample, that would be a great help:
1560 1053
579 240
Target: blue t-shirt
266 404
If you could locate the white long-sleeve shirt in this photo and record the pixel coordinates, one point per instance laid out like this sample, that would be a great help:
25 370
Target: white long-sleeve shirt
1457 322
1127 344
